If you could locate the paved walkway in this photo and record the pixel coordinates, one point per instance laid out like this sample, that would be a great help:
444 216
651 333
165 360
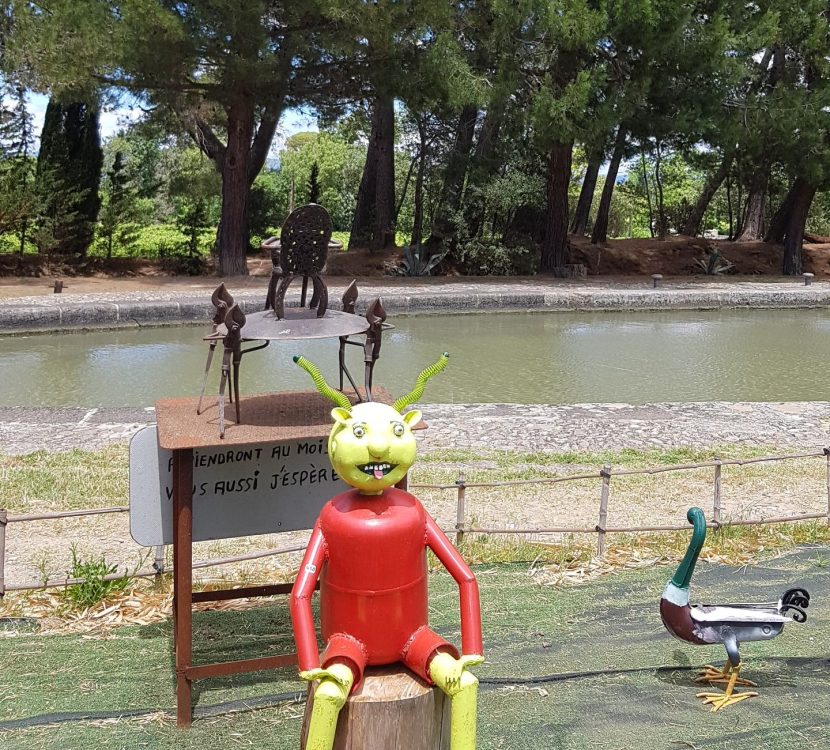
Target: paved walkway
521 427
186 302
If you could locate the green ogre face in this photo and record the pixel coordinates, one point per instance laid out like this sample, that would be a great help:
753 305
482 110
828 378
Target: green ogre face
372 446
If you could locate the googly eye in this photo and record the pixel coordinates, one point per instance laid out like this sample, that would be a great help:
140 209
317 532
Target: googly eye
397 428
359 430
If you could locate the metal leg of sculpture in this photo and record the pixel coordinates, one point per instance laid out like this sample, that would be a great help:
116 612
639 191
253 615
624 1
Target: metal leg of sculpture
344 370
369 365
272 290
463 692
329 699
320 298
226 370
341 358
304 291
279 295
205 379
236 363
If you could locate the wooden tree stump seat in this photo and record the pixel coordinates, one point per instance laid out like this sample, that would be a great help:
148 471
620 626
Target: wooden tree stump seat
392 710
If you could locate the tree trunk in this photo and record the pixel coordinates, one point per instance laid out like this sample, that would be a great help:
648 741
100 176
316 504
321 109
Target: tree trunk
364 213
778 226
232 237
753 222
384 231
363 221
600 233
691 226
796 224
392 708
648 193
555 242
662 227
729 206
406 182
739 219
373 221
485 162
418 218
586 195
455 175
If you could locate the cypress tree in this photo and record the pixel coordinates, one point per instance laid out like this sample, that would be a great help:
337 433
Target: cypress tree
314 184
68 176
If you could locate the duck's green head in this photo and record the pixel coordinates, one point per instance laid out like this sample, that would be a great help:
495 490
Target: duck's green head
683 574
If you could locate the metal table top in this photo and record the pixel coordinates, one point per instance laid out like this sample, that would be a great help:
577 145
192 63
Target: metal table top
300 323
273 243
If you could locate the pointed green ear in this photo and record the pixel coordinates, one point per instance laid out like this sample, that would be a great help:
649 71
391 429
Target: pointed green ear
411 418
340 415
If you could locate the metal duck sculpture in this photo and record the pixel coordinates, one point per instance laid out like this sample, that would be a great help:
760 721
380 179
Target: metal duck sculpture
729 624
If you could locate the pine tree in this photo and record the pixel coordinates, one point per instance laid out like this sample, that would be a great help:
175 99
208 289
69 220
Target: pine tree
17 167
118 210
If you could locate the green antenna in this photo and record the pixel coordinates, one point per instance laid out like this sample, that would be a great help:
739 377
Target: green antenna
420 382
322 386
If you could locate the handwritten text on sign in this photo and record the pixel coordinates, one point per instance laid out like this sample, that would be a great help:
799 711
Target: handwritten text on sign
239 491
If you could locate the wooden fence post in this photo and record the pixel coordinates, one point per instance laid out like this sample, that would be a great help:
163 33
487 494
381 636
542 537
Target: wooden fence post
461 509
603 509
4 517
716 502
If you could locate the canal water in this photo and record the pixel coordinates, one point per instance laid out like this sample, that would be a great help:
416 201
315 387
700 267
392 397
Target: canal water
734 355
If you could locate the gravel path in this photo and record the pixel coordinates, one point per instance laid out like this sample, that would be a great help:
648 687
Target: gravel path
553 428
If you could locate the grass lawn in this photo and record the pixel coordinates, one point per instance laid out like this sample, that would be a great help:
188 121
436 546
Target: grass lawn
567 668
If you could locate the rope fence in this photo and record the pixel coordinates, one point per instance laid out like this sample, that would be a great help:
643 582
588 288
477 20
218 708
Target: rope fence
460 487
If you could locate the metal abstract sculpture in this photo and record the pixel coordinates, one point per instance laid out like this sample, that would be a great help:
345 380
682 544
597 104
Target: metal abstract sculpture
728 624
368 552
304 247
301 250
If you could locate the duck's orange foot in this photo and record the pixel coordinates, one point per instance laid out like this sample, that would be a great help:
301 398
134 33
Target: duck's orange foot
722 700
713 674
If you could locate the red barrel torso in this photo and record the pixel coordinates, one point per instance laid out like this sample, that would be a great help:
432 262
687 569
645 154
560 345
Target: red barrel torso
373 585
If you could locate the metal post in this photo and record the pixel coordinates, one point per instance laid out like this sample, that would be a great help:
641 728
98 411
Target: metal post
716 500
4 517
158 563
827 480
603 509
461 510
183 580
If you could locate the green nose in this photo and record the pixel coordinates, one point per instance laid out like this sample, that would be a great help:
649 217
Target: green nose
378 448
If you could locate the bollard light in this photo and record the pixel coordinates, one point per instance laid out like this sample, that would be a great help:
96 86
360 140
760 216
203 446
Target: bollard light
656 279
808 278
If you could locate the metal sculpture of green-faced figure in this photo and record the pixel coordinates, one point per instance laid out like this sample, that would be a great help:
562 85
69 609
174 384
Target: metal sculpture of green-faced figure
368 553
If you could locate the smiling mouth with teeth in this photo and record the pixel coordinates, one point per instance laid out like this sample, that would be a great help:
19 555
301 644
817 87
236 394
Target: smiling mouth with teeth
378 471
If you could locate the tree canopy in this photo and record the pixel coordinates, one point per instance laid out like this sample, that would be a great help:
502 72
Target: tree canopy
479 128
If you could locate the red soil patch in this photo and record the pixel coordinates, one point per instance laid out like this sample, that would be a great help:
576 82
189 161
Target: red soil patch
676 256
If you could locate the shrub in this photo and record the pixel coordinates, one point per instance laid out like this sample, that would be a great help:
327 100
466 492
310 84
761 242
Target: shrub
479 257
94 588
